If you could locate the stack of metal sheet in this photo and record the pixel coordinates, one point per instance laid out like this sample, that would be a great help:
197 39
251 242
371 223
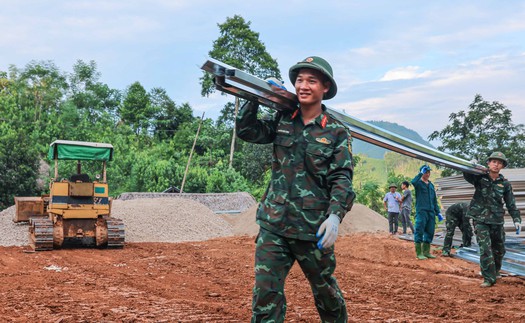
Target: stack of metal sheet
455 189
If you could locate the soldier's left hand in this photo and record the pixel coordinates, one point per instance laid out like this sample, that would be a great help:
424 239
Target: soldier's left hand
440 217
328 232
517 225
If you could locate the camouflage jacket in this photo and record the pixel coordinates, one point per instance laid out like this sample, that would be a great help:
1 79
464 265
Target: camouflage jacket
457 210
487 203
311 170
426 198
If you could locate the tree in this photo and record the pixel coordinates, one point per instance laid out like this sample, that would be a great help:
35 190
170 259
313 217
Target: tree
370 195
95 99
169 116
240 47
136 109
485 127
18 165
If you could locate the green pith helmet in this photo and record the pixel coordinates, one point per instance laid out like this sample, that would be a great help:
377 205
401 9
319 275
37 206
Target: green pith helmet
319 64
392 185
498 155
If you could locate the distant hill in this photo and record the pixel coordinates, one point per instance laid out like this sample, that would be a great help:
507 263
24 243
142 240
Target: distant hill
361 147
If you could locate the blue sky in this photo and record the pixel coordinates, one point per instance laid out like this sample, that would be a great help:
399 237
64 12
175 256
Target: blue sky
409 62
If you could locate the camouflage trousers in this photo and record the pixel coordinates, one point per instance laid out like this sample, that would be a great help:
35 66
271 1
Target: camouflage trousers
274 257
491 241
425 226
464 226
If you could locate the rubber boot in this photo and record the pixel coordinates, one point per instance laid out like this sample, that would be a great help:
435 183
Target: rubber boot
419 252
486 284
426 251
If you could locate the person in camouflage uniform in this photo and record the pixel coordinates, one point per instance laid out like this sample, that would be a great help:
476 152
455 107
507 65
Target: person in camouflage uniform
427 209
456 216
309 194
487 212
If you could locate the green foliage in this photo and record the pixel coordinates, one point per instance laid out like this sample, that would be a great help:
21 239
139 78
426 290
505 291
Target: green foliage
485 127
136 109
18 165
369 194
240 47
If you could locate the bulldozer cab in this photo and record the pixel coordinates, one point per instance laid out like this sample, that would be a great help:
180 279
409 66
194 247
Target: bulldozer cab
76 195
80 151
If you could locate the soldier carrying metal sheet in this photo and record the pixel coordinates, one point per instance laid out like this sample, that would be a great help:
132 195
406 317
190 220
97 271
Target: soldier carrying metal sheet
309 194
492 190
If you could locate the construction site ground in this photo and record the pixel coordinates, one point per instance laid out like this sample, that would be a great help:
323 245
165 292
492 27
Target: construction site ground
185 261
211 281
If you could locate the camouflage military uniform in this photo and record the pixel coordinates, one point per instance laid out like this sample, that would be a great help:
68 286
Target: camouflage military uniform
311 179
427 209
486 210
456 216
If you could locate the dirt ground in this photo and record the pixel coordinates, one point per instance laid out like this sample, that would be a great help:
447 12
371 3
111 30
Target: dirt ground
211 281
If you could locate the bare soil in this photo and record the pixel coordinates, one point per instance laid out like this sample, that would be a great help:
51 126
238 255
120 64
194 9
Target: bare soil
211 281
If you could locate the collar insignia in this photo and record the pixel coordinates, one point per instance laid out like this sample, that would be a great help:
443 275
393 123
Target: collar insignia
324 121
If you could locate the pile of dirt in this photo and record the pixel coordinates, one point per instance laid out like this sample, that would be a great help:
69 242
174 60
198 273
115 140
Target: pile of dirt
359 219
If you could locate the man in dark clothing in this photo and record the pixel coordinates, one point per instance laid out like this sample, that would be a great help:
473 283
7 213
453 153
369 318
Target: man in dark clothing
406 207
456 216
309 194
492 190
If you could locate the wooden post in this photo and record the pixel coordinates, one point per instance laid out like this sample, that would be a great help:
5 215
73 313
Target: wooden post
232 148
191 153
104 171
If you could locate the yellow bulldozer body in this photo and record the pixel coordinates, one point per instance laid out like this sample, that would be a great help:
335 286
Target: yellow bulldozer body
77 210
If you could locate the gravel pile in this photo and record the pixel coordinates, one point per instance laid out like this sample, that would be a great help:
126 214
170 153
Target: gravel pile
151 218
217 202
169 220
12 234
146 220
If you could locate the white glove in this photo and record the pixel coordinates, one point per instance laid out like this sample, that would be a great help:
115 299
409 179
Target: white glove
517 225
328 232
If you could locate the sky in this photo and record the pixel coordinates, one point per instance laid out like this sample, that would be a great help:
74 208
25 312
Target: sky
409 62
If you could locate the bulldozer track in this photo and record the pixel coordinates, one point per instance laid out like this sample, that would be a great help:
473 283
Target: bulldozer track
41 234
116 234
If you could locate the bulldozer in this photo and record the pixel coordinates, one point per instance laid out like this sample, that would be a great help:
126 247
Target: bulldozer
77 210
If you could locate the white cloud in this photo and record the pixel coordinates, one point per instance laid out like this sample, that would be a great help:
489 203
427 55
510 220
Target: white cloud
404 73
426 103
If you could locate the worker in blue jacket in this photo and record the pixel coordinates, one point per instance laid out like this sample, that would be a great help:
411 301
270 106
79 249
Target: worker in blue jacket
427 209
